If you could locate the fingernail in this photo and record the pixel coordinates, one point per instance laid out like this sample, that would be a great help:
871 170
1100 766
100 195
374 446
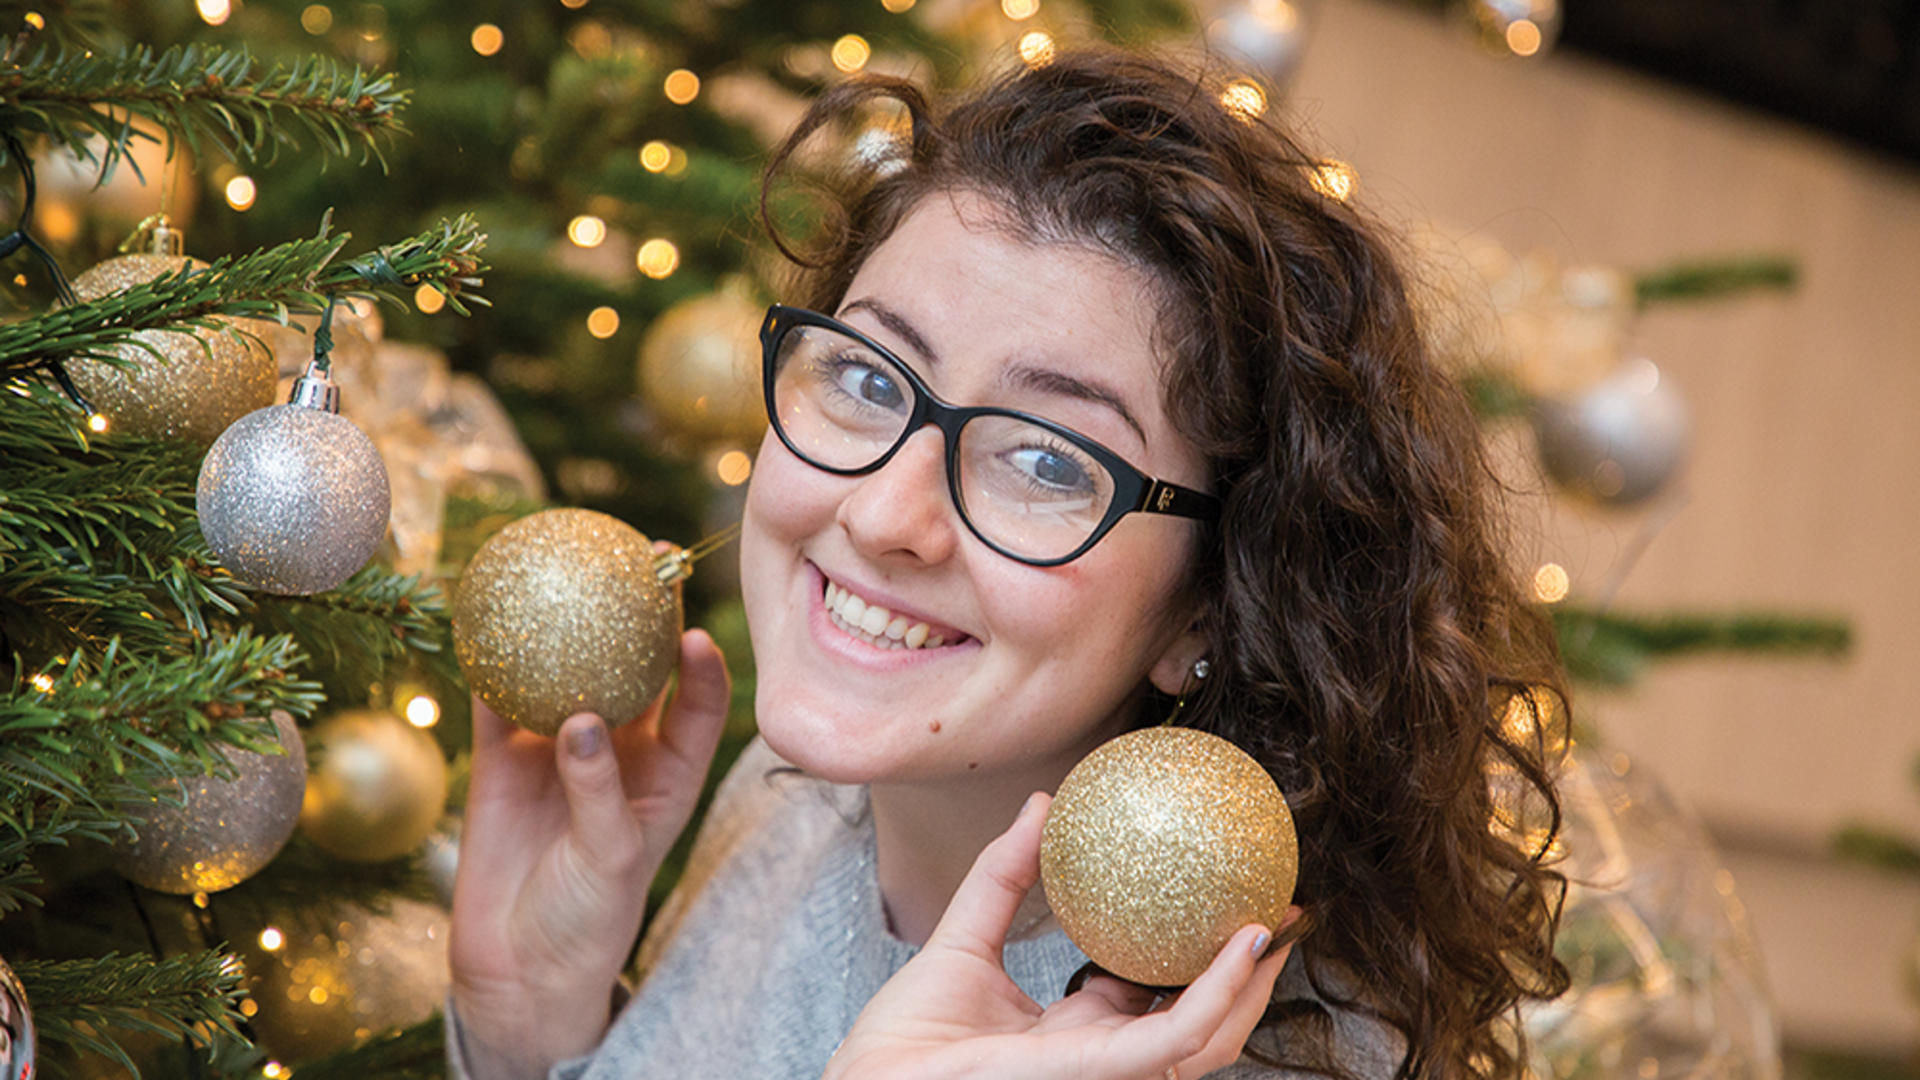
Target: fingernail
587 741
1260 943
1027 807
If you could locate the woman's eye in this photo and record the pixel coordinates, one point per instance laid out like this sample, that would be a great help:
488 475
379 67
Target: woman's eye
1052 469
871 385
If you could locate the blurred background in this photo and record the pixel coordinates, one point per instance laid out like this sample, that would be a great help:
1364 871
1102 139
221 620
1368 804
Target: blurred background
1671 246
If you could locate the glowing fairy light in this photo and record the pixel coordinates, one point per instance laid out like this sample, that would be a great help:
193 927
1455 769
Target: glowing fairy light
733 468
241 192
1550 583
682 86
1036 48
42 682
851 53
1244 99
1334 179
486 39
422 711
1019 9
586 231
427 299
271 939
316 19
657 258
655 156
214 12
97 423
1523 37
603 322
897 6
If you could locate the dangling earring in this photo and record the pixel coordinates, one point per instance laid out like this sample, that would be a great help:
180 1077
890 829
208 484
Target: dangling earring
1195 674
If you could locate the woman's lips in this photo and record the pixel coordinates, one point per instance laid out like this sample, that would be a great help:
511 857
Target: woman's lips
852 616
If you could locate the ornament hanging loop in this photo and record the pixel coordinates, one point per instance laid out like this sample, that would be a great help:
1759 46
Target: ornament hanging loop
675 566
315 388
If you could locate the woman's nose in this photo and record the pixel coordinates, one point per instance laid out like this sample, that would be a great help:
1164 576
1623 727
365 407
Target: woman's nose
903 506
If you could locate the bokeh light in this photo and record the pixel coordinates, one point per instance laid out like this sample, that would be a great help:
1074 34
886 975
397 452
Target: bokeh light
586 231
603 322
486 39
422 711
241 192
682 86
427 299
1335 179
851 53
655 156
214 12
1036 48
657 258
316 19
1551 583
1523 37
734 467
1019 9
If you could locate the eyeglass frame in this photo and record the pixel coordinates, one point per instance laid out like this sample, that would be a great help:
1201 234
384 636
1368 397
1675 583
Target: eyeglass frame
1133 491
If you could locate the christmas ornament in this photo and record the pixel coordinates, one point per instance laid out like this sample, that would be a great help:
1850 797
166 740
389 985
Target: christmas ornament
1160 845
356 331
441 860
700 366
378 789
1617 442
1667 978
183 385
343 974
1514 27
225 830
17 1044
1266 36
564 612
293 498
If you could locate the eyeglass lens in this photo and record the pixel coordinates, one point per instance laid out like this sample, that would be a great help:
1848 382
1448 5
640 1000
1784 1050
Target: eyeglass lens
1023 487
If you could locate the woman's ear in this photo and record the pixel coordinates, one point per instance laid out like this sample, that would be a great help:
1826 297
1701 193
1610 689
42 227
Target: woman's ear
1173 671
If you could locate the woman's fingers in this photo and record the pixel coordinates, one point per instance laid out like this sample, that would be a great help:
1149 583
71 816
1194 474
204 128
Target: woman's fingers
601 823
982 910
1248 1007
1185 1030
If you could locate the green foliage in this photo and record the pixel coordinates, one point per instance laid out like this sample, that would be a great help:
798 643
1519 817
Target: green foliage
1713 278
412 1053
77 1002
87 100
1876 846
1611 649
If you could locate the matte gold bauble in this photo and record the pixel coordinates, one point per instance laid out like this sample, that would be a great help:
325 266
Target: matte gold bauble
205 833
562 612
200 382
1159 846
378 790
700 367
343 974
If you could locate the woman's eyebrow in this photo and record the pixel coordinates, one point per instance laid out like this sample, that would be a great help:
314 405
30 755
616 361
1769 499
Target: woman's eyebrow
1050 381
895 322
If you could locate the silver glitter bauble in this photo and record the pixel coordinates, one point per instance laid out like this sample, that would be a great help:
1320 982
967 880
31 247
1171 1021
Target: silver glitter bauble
1619 441
1263 36
293 500
378 790
225 830
562 612
198 383
17 1042
1159 846
343 974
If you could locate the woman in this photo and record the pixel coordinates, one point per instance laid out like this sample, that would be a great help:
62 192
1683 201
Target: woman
1077 284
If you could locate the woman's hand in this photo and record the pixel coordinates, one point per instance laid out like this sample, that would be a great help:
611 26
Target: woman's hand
562 838
952 1011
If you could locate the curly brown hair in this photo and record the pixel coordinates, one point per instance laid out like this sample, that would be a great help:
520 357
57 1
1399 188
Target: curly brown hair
1366 631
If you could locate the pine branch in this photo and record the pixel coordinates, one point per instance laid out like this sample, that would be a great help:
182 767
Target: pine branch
356 631
102 733
1713 278
192 995
201 92
1611 649
1876 846
296 277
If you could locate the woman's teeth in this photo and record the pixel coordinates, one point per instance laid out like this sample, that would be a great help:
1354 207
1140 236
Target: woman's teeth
876 625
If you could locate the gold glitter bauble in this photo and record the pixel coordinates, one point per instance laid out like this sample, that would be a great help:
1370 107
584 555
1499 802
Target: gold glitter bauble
700 367
561 613
227 829
1160 845
200 382
342 974
378 790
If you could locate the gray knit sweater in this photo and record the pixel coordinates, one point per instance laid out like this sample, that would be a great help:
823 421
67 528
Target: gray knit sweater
776 938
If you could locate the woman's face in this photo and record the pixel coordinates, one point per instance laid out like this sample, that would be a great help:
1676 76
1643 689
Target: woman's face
1034 665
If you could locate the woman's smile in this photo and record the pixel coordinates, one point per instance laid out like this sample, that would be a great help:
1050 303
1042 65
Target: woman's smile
866 626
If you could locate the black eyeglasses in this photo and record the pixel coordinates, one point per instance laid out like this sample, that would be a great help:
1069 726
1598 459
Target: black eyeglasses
1029 488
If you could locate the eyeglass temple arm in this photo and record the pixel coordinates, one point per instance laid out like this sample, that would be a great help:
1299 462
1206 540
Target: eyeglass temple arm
1160 497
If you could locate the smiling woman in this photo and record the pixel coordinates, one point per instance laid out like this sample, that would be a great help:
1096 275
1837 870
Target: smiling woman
1094 402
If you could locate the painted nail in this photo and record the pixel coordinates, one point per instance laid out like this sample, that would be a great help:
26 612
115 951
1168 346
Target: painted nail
1260 943
587 741
1027 807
